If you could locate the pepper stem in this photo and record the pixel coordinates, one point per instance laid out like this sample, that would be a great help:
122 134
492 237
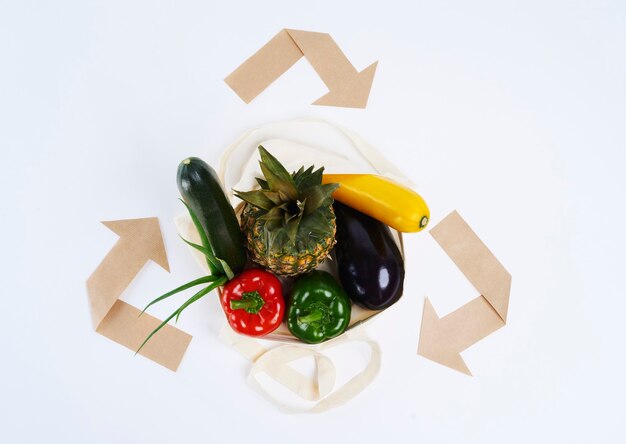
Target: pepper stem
251 301
315 315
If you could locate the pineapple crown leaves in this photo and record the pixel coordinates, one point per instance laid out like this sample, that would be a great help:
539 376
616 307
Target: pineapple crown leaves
285 199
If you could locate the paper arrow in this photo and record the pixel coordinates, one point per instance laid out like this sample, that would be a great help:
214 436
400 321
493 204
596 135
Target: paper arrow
347 87
442 339
140 241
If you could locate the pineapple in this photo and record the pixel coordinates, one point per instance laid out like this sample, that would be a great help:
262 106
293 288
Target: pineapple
289 224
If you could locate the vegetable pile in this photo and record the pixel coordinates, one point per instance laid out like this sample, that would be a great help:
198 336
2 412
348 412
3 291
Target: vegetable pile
286 229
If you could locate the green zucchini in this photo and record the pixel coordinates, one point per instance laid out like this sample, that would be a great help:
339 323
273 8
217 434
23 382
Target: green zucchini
202 190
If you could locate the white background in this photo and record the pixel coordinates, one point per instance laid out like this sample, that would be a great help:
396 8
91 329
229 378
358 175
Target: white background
511 112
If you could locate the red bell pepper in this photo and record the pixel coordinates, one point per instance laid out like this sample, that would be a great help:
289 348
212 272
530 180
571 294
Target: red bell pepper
253 302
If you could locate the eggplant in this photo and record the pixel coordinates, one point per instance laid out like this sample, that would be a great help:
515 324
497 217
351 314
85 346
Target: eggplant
371 268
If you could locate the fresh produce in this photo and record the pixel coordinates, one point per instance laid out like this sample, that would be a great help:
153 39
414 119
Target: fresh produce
253 302
318 309
203 193
383 199
370 265
289 223
289 227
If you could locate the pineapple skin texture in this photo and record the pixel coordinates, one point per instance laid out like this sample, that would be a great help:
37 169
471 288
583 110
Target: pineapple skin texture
288 261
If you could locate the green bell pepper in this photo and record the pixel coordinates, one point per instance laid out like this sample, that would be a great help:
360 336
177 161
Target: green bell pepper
318 309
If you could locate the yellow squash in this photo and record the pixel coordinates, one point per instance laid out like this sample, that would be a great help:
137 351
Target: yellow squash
383 199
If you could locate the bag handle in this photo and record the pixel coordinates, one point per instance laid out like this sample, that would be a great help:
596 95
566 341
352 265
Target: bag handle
367 151
274 363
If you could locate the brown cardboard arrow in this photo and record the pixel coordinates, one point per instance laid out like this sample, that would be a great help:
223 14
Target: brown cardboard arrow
442 339
347 87
140 241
